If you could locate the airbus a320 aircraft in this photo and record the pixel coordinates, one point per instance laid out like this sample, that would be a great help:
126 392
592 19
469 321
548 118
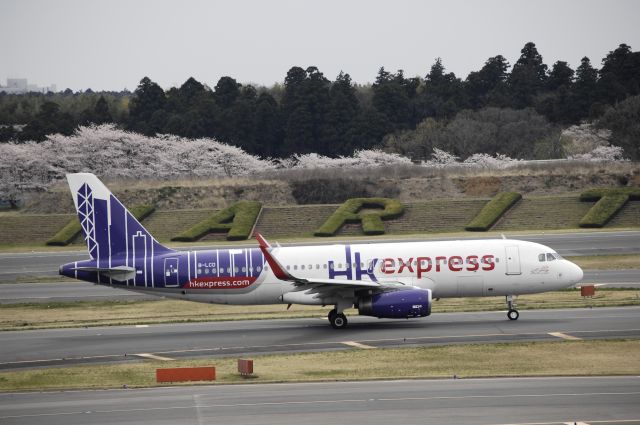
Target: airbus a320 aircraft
384 280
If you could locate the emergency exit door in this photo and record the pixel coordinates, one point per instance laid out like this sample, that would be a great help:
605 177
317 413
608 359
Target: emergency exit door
513 260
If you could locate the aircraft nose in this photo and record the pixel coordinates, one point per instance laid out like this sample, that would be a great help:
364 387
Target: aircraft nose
576 274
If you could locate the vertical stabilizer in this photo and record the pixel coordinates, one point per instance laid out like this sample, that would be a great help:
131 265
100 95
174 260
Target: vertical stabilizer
109 229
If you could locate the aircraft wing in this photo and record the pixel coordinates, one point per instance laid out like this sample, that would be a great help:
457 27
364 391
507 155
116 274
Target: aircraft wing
281 273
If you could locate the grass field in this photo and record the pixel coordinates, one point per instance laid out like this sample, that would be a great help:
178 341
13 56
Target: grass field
562 358
112 313
426 217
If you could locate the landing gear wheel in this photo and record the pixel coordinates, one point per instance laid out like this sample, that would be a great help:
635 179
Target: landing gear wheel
513 314
331 314
338 320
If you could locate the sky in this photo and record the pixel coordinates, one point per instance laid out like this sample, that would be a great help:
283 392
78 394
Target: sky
112 44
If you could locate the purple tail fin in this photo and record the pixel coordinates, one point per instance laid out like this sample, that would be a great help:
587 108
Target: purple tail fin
110 230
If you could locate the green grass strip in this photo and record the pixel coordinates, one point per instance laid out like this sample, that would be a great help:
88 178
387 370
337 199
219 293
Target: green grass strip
70 231
350 212
492 211
554 358
237 221
609 202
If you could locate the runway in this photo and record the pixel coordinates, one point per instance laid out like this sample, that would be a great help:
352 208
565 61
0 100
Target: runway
43 264
83 291
559 400
64 347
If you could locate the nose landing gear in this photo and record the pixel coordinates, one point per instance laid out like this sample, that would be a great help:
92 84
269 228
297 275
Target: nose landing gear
513 313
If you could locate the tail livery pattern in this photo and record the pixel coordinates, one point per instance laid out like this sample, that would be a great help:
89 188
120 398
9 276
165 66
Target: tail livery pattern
109 229
120 247
124 253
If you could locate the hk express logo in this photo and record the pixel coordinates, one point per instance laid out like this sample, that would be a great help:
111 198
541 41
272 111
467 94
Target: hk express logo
415 265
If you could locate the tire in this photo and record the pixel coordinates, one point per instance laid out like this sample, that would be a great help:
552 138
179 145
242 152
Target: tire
331 314
338 321
513 314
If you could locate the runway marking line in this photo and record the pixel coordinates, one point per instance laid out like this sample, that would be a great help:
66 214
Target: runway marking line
358 345
565 336
154 357
340 401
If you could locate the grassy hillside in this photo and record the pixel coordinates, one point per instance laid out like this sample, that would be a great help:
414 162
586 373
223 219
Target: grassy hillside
435 216
551 212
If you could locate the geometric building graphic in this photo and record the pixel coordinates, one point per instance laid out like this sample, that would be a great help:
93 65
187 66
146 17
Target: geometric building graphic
87 219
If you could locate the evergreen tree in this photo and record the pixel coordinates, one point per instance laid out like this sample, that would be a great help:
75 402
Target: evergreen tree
485 87
391 100
305 103
101 111
620 75
561 75
49 120
443 95
268 126
584 90
342 112
527 77
226 92
147 99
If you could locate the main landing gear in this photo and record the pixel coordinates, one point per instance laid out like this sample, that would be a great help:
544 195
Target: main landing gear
337 320
512 314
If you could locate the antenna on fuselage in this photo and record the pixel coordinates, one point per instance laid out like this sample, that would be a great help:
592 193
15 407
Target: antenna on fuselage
503 236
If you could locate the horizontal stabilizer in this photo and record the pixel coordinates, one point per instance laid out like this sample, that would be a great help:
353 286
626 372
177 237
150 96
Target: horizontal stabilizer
120 273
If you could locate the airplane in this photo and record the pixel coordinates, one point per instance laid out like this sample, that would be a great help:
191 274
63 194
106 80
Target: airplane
384 280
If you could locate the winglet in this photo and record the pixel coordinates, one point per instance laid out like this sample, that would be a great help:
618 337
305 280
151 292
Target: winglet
275 265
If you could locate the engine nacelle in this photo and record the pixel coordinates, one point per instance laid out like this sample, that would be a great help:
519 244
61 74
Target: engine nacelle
396 304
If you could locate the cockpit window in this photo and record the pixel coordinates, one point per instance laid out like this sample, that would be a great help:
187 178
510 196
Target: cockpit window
541 257
553 256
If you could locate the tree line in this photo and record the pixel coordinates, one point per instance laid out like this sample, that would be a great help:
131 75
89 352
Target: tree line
515 110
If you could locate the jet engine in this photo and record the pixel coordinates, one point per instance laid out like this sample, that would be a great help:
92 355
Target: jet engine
396 304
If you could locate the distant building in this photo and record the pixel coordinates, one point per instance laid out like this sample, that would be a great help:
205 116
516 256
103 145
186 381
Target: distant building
21 86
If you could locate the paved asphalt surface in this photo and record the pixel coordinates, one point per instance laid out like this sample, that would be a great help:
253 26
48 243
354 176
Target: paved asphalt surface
55 347
605 400
43 264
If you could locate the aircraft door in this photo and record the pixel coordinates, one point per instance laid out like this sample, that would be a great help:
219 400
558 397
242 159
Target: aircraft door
170 272
513 260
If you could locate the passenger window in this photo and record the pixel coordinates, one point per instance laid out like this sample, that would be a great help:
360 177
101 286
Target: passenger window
541 257
266 268
302 267
324 266
206 271
199 271
550 257
244 269
295 267
310 266
214 271
258 269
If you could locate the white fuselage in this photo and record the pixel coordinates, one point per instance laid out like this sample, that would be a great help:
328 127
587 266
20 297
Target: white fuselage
470 268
